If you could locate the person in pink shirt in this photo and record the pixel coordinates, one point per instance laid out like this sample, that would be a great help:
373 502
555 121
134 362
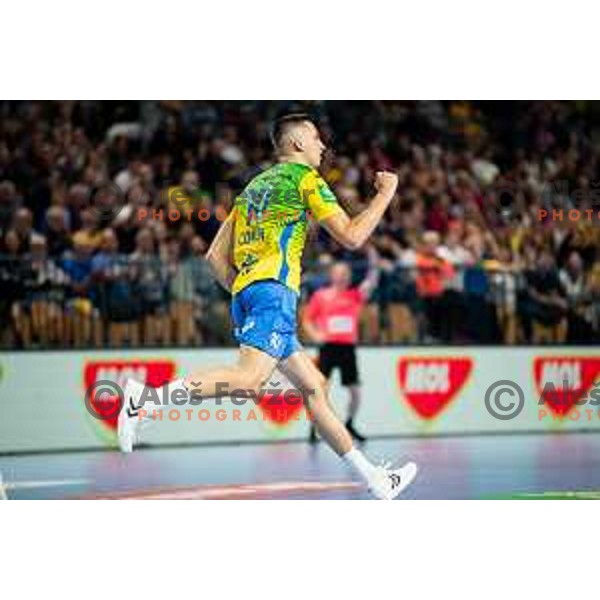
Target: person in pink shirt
331 319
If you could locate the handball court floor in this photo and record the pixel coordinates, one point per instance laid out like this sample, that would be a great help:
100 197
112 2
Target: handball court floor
473 467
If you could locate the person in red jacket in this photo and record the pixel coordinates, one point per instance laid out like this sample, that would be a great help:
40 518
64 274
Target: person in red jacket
331 319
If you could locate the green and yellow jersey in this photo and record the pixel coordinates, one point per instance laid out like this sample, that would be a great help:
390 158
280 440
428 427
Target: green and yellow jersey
271 220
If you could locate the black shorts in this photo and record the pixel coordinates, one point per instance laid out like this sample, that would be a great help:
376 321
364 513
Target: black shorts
342 357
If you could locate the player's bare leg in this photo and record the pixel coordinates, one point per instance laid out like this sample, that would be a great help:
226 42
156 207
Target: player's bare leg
304 375
383 482
251 371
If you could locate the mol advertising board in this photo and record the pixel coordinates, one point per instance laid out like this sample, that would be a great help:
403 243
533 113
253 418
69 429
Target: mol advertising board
406 391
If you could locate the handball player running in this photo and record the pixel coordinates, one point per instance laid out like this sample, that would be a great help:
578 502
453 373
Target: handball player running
256 256
331 320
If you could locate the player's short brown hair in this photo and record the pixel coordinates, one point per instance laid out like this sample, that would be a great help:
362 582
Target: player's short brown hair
282 125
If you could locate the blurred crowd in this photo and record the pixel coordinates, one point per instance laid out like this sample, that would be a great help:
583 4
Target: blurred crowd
493 237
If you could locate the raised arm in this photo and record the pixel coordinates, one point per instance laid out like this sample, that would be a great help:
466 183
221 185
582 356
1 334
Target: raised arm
353 232
369 283
219 254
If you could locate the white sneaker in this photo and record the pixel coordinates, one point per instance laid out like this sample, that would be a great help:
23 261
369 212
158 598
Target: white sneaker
129 420
387 484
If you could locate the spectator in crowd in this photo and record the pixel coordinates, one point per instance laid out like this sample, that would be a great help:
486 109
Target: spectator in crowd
503 276
151 287
432 275
82 316
182 293
90 232
129 175
213 311
114 275
592 306
56 231
23 227
574 283
46 292
547 301
480 318
396 292
9 203
76 201
13 278
454 252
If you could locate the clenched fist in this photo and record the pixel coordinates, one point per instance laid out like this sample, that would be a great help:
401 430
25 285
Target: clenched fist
386 183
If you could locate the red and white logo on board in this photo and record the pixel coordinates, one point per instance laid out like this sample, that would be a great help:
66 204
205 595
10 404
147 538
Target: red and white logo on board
563 380
430 384
282 408
280 403
151 372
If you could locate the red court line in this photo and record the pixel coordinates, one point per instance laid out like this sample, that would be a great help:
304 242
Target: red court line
230 492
